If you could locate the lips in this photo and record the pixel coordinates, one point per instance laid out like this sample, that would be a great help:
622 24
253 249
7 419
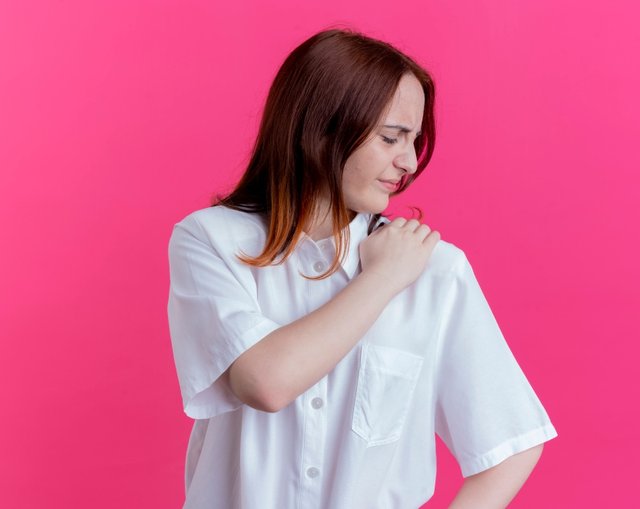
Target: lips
391 185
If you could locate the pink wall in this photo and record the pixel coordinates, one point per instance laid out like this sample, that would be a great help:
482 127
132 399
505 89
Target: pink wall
118 118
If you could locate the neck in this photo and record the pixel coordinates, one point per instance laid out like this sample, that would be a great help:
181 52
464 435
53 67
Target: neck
322 226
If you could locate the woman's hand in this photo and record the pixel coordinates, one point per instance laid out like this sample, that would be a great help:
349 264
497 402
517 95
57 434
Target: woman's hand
398 251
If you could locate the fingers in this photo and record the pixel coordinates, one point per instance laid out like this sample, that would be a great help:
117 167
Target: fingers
431 240
423 231
401 222
428 236
420 229
398 222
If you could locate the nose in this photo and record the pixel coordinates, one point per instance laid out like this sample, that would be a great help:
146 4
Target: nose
407 160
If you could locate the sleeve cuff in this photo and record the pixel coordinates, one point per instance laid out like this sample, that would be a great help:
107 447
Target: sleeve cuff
506 449
216 398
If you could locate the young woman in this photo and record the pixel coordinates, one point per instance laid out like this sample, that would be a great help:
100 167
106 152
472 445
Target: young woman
320 346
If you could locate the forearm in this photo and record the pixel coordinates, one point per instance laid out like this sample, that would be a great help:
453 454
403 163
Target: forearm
495 488
294 357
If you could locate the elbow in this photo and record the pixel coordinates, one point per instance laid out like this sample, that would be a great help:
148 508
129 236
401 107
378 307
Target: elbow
268 405
251 390
263 400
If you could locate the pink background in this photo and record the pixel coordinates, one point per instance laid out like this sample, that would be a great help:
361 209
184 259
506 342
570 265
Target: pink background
118 118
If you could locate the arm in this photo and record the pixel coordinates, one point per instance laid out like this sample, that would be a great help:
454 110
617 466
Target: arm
284 364
495 487
289 360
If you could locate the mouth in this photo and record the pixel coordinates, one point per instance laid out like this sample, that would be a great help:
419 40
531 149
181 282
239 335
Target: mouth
390 185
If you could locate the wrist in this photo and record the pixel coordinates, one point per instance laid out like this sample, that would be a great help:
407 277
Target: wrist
381 282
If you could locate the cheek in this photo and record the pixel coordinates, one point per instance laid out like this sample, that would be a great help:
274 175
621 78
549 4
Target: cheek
357 180
362 170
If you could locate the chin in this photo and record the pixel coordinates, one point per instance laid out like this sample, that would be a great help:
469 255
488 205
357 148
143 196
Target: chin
375 205
376 209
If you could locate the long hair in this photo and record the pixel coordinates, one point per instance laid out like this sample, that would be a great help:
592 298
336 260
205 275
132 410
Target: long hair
325 101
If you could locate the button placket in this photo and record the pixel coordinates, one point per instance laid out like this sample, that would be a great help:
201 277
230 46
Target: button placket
314 438
326 247
321 265
312 259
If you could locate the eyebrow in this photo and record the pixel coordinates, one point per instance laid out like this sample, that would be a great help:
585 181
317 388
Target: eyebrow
402 128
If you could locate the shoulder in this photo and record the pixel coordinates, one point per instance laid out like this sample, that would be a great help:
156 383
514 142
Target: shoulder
223 220
225 229
447 258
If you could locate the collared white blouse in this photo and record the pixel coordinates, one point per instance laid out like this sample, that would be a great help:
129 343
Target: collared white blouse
434 361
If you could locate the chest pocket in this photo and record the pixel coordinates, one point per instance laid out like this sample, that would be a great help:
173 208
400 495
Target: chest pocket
387 379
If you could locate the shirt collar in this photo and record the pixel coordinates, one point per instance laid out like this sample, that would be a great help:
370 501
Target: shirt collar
357 233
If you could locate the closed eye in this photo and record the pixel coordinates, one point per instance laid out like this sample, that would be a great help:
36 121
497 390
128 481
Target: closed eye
390 141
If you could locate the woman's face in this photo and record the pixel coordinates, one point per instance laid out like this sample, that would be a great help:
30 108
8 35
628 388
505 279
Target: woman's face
388 153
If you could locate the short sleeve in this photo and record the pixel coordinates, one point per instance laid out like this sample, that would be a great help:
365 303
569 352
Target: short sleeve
213 316
486 410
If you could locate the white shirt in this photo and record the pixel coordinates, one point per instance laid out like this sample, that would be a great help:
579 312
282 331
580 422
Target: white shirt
434 361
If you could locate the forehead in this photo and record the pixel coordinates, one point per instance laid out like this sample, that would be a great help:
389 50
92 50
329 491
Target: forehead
407 104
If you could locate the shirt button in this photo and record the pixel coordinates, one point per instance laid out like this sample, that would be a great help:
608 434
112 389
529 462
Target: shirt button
313 472
318 266
317 402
